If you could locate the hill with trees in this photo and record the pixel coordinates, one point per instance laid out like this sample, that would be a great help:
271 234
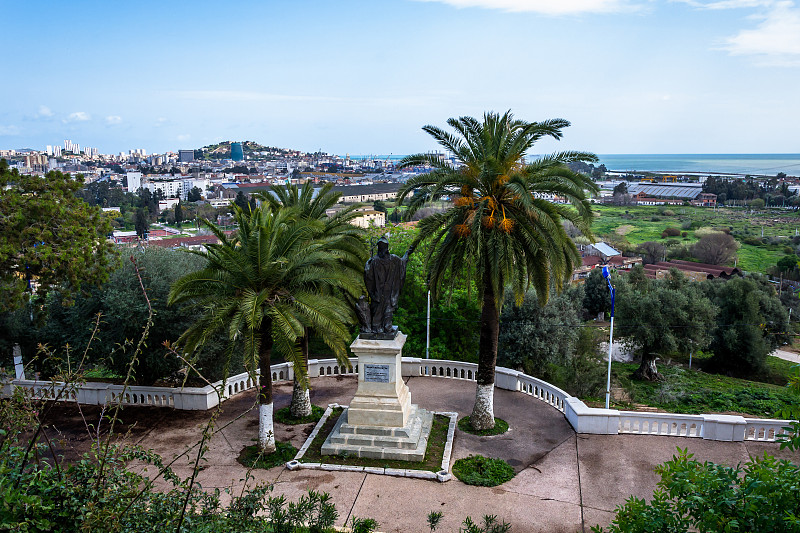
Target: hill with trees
251 149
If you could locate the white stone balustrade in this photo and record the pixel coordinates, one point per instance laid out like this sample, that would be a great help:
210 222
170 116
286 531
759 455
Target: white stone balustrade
582 418
665 424
764 429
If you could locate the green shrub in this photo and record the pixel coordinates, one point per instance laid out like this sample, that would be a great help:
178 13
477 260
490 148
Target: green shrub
706 497
482 471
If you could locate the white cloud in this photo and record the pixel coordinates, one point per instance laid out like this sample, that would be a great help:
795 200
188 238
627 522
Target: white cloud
113 119
775 41
79 116
44 111
184 137
8 131
546 7
160 121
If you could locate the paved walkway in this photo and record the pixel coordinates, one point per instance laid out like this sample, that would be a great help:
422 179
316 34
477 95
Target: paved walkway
788 356
565 482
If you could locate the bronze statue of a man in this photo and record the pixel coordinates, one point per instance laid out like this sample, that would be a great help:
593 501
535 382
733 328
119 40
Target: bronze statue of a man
384 275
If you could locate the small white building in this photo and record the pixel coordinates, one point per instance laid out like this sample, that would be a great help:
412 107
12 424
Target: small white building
602 250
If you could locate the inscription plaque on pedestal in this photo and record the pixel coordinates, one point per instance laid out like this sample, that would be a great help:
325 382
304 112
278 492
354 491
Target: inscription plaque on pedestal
376 373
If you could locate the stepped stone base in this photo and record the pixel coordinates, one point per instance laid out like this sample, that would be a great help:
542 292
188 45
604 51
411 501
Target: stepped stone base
406 443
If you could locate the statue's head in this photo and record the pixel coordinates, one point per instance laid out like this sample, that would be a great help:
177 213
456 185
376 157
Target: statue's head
383 246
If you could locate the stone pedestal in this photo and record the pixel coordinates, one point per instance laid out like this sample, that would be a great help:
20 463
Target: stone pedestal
382 398
380 422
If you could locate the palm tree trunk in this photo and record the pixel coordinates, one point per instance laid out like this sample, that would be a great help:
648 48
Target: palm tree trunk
301 400
482 416
266 429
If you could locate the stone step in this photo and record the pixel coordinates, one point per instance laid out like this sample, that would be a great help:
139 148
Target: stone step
382 447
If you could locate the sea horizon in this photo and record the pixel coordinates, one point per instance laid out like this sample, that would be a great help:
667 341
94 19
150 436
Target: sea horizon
766 164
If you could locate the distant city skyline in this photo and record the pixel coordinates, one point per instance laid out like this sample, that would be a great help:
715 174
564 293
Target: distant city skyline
633 76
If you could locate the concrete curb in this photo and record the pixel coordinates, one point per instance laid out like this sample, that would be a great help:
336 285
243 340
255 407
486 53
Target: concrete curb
441 476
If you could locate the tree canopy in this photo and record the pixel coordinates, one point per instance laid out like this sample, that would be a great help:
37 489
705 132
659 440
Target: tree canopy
501 227
48 236
663 316
263 285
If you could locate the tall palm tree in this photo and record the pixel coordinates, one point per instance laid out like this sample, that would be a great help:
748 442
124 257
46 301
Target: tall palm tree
262 286
503 227
313 205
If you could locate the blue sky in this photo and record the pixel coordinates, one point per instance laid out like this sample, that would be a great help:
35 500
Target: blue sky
633 76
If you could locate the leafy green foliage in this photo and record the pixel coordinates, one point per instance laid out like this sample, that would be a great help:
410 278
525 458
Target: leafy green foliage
707 497
49 237
751 323
363 525
663 316
268 283
489 525
482 471
453 316
195 195
433 519
596 295
124 312
345 242
787 263
500 228
533 336
580 373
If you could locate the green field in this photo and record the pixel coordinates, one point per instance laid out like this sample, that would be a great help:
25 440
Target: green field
636 224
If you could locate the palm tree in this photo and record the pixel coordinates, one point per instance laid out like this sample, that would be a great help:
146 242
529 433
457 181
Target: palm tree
262 286
352 253
503 226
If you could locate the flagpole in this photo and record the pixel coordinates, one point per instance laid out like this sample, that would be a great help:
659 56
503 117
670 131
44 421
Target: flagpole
610 337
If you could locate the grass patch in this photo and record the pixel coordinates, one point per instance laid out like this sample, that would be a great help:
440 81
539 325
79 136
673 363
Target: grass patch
500 427
101 372
251 456
433 454
284 416
695 392
482 471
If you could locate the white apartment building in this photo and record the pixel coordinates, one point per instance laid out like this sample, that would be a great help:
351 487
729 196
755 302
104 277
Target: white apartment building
170 188
134 181
189 183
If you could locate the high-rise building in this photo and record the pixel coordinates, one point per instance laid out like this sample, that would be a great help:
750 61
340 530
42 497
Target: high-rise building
134 181
49 150
185 156
237 154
